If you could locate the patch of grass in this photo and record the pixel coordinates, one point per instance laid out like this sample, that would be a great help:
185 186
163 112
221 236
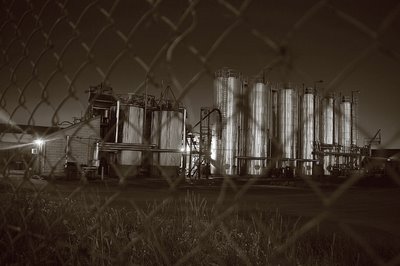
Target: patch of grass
38 230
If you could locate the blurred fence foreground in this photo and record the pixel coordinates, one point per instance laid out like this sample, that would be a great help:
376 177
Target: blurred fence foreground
199 132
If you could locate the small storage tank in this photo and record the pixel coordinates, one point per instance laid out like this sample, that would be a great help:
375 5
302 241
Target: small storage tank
167 133
132 132
287 124
307 130
228 99
257 126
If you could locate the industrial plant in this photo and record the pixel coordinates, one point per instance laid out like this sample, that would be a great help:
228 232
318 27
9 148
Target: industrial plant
253 127
282 129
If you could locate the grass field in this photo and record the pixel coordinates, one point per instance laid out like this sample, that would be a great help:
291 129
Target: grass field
105 224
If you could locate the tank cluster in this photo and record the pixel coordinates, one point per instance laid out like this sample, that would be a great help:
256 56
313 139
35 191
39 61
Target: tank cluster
282 129
141 134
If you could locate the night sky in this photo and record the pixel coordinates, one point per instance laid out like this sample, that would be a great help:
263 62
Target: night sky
45 66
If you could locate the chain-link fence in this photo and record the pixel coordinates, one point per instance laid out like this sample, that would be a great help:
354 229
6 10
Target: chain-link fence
103 160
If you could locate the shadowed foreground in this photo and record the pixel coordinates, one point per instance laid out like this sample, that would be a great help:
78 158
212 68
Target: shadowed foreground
146 226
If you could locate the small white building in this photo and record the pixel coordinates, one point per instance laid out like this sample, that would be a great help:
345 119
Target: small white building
18 146
73 144
46 150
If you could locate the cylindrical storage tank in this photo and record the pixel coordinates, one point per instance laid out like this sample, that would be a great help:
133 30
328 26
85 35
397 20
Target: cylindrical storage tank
273 122
307 130
336 120
227 98
354 120
167 133
132 132
274 149
327 129
317 117
257 126
345 124
288 124
327 120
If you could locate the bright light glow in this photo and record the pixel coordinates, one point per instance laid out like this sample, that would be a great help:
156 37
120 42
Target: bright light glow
38 142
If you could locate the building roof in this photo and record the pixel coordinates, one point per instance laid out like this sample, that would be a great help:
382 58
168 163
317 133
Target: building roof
27 129
77 126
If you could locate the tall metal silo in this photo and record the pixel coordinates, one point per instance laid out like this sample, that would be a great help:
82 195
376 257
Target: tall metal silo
288 124
327 130
327 120
307 130
132 132
317 116
274 149
336 120
258 126
168 129
227 98
354 118
345 124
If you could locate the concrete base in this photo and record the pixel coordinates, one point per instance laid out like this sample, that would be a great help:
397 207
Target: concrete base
165 171
128 171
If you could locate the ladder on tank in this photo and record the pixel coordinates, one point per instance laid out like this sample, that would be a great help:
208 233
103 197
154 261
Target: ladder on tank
193 155
204 162
202 166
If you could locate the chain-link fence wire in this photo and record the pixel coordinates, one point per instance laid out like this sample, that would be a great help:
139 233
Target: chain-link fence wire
52 51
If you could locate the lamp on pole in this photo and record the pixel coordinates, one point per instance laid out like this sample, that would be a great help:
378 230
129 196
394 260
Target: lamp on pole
39 148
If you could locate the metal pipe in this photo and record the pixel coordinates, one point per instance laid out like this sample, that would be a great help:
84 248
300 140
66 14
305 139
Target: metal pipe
137 148
184 142
190 156
96 152
67 143
253 157
219 120
117 121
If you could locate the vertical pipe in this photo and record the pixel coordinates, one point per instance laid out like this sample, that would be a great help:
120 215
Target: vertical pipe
190 156
67 143
354 117
208 169
184 129
184 143
145 108
314 120
96 152
117 121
